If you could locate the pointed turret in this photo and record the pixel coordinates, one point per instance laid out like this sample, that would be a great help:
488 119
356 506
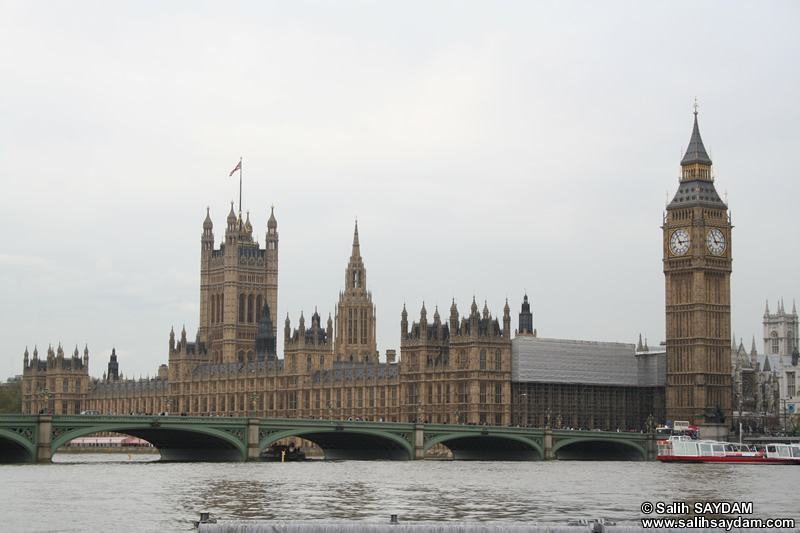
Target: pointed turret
453 318
272 223
113 366
696 152
356 247
525 318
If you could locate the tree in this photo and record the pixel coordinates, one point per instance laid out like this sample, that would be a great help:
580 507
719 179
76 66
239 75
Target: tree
11 398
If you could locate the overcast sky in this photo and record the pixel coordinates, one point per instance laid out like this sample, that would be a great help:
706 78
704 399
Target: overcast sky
486 148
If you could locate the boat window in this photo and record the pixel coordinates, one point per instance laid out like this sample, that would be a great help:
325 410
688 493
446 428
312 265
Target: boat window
784 451
771 449
719 448
705 449
795 451
691 448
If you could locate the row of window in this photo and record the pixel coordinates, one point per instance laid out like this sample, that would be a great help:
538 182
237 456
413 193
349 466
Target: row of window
463 360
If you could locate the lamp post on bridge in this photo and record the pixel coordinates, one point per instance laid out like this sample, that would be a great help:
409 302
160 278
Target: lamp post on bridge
330 412
650 420
547 415
419 412
458 415
254 403
46 395
168 404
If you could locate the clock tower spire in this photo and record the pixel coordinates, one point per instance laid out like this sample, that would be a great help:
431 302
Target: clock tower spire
697 268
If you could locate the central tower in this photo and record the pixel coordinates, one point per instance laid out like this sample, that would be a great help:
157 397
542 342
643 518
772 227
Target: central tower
355 313
697 270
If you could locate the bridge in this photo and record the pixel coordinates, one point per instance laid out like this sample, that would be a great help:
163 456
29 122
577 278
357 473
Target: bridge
35 438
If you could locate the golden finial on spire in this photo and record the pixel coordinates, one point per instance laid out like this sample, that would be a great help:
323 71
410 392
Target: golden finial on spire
695 105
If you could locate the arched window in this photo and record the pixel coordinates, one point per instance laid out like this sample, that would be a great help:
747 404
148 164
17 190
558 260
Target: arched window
775 344
66 386
250 301
483 360
241 308
78 386
498 361
259 306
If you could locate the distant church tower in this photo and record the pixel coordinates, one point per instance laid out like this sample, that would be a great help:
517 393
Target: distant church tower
355 313
780 330
697 270
236 282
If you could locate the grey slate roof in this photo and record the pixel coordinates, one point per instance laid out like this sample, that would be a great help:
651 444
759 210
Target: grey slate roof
696 152
534 359
696 192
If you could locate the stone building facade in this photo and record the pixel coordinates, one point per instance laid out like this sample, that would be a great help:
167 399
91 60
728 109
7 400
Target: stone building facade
231 368
458 369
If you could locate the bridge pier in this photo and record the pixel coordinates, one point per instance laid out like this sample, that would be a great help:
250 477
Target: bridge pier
548 445
419 441
252 439
43 452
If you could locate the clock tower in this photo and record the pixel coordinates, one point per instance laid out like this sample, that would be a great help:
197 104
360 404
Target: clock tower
697 271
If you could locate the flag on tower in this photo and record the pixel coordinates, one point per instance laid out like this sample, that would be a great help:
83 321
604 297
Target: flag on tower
238 167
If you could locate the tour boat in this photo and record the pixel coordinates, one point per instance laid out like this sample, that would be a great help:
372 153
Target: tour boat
683 449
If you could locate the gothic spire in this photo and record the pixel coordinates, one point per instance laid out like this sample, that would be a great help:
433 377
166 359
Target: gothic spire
356 246
696 152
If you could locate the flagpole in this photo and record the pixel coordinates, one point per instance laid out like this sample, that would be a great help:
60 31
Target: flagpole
240 185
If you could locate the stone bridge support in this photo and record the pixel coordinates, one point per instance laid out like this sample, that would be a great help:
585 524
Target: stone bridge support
252 439
548 445
43 452
419 441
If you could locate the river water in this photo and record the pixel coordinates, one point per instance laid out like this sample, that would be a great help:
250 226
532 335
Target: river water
110 492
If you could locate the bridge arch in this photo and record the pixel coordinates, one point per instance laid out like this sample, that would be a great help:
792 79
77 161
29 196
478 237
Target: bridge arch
351 441
175 441
494 446
599 448
16 446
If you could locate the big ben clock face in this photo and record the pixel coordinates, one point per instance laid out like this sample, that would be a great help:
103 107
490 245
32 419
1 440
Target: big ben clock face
679 242
715 241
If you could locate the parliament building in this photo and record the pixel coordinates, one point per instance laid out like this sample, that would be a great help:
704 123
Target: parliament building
464 367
